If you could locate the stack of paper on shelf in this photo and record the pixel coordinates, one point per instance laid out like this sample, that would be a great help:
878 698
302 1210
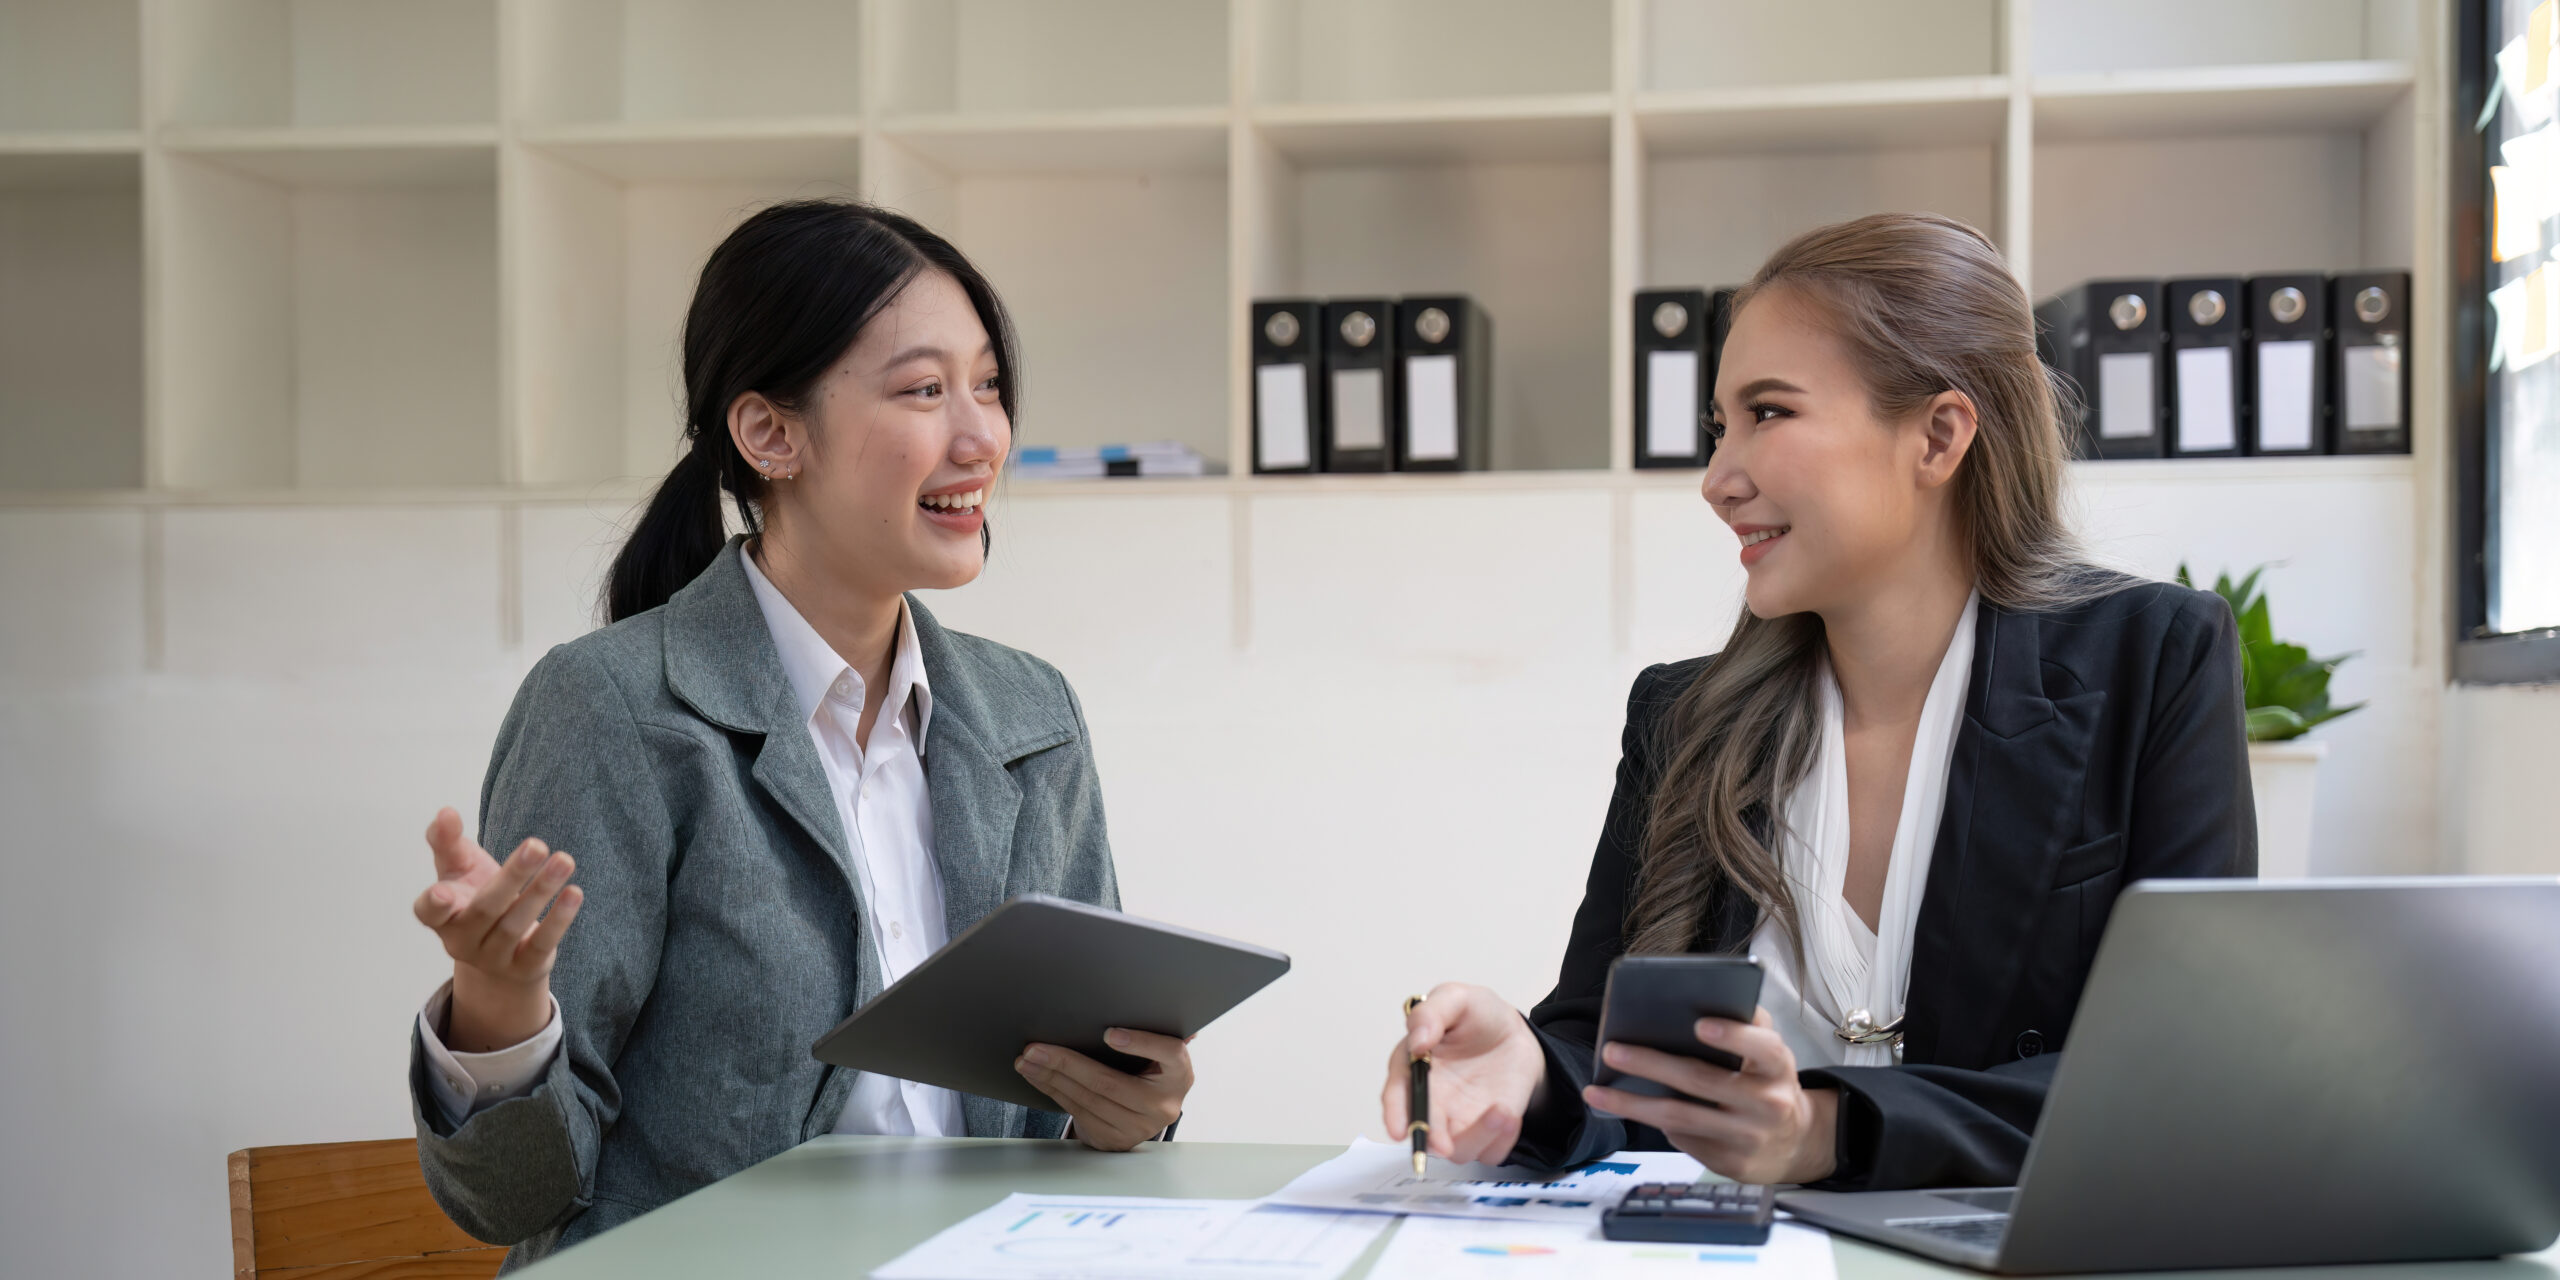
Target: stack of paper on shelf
1161 458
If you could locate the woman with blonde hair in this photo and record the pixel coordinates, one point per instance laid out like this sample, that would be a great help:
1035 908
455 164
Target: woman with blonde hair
1935 748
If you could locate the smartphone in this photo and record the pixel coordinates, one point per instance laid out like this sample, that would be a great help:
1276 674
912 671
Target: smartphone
1656 1001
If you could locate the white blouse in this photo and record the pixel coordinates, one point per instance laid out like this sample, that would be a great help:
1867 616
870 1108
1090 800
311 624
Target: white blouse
1848 967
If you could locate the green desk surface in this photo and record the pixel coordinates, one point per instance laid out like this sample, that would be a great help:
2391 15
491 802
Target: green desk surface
836 1207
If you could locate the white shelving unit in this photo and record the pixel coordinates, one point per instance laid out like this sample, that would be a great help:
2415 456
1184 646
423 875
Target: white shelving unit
442 246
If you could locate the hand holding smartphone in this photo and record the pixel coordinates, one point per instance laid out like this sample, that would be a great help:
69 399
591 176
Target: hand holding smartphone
1656 1001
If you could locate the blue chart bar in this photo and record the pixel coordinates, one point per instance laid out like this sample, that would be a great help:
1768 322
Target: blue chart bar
1099 1219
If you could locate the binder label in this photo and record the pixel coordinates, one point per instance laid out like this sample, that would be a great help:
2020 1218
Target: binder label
1431 408
1671 403
1359 408
2125 408
2372 387
2204 400
1280 397
2285 395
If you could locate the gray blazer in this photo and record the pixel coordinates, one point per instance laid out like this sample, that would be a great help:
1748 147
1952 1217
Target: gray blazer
724 929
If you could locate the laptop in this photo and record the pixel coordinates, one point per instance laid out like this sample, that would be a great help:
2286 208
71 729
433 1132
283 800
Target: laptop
2298 1073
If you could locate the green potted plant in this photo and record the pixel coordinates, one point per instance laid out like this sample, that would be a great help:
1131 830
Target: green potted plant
2286 691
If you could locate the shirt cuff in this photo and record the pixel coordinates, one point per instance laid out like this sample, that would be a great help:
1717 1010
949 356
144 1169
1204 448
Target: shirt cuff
465 1084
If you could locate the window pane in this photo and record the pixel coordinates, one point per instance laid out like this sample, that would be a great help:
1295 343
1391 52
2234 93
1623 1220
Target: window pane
2523 143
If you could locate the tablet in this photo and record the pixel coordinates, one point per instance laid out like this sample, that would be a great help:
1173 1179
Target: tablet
1044 969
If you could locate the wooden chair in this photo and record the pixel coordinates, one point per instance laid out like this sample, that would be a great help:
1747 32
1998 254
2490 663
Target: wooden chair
344 1211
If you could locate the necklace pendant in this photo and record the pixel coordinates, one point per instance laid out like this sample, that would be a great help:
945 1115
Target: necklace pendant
1860 1027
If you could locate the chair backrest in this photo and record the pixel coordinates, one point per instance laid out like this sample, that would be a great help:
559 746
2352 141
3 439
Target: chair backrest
359 1205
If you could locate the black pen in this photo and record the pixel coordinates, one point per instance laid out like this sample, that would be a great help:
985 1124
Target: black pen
1418 1102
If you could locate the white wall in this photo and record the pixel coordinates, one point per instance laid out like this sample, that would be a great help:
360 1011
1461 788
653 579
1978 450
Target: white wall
2501 744
222 728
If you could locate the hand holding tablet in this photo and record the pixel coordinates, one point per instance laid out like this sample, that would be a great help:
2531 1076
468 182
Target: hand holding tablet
1045 971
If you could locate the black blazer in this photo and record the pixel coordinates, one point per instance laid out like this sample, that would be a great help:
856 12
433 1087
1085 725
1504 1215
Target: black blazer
2101 745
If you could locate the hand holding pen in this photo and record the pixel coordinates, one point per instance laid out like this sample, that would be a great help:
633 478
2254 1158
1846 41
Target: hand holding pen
1485 1069
1418 1115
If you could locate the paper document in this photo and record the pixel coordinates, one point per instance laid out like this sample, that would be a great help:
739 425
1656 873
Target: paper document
1378 1177
1137 1238
1452 1249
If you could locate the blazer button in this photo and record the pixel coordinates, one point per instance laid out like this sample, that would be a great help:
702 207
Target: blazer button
2030 1043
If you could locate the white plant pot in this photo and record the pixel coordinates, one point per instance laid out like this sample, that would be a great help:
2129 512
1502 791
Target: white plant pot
2281 775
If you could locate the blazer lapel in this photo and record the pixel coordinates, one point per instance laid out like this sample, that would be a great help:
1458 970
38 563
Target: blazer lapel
721 662
974 803
2012 787
981 724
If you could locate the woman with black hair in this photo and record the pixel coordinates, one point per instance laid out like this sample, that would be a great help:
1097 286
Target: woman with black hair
784 782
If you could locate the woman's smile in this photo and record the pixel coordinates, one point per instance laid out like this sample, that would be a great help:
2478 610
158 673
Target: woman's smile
1758 540
960 509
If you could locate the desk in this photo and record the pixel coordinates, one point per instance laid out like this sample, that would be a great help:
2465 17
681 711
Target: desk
835 1207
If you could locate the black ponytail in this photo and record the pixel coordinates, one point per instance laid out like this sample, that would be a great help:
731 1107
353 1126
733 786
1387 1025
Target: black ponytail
778 304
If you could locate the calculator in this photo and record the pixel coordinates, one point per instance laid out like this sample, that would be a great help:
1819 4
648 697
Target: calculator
1692 1213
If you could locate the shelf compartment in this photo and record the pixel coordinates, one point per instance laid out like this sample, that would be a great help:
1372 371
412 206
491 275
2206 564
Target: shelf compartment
85 158
266 64
1709 218
2221 203
1481 130
71 65
1529 239
1117 282
430 156
585 61
328 318
1688 45
616 224
2197 101
1019 57
70 322
1179 140
824 153
1381 51
1959 109
2074 36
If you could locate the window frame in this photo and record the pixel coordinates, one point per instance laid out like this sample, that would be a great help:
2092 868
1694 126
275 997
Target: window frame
2480 656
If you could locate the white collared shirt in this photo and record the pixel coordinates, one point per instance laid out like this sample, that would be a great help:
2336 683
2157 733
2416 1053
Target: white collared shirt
1849 967
888 819
887 816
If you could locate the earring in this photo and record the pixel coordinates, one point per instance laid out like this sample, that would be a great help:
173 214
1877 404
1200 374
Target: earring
764 464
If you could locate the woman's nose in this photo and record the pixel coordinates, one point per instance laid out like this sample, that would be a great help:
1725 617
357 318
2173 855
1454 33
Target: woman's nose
982 432
1725 483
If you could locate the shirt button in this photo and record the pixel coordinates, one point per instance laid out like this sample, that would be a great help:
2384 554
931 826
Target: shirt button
897 930
455 1082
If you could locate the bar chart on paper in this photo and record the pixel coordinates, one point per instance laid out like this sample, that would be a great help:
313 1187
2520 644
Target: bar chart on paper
1457 1249
1133 1238
1377 1177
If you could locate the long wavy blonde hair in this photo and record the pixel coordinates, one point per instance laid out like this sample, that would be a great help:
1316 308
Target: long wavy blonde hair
1925 305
